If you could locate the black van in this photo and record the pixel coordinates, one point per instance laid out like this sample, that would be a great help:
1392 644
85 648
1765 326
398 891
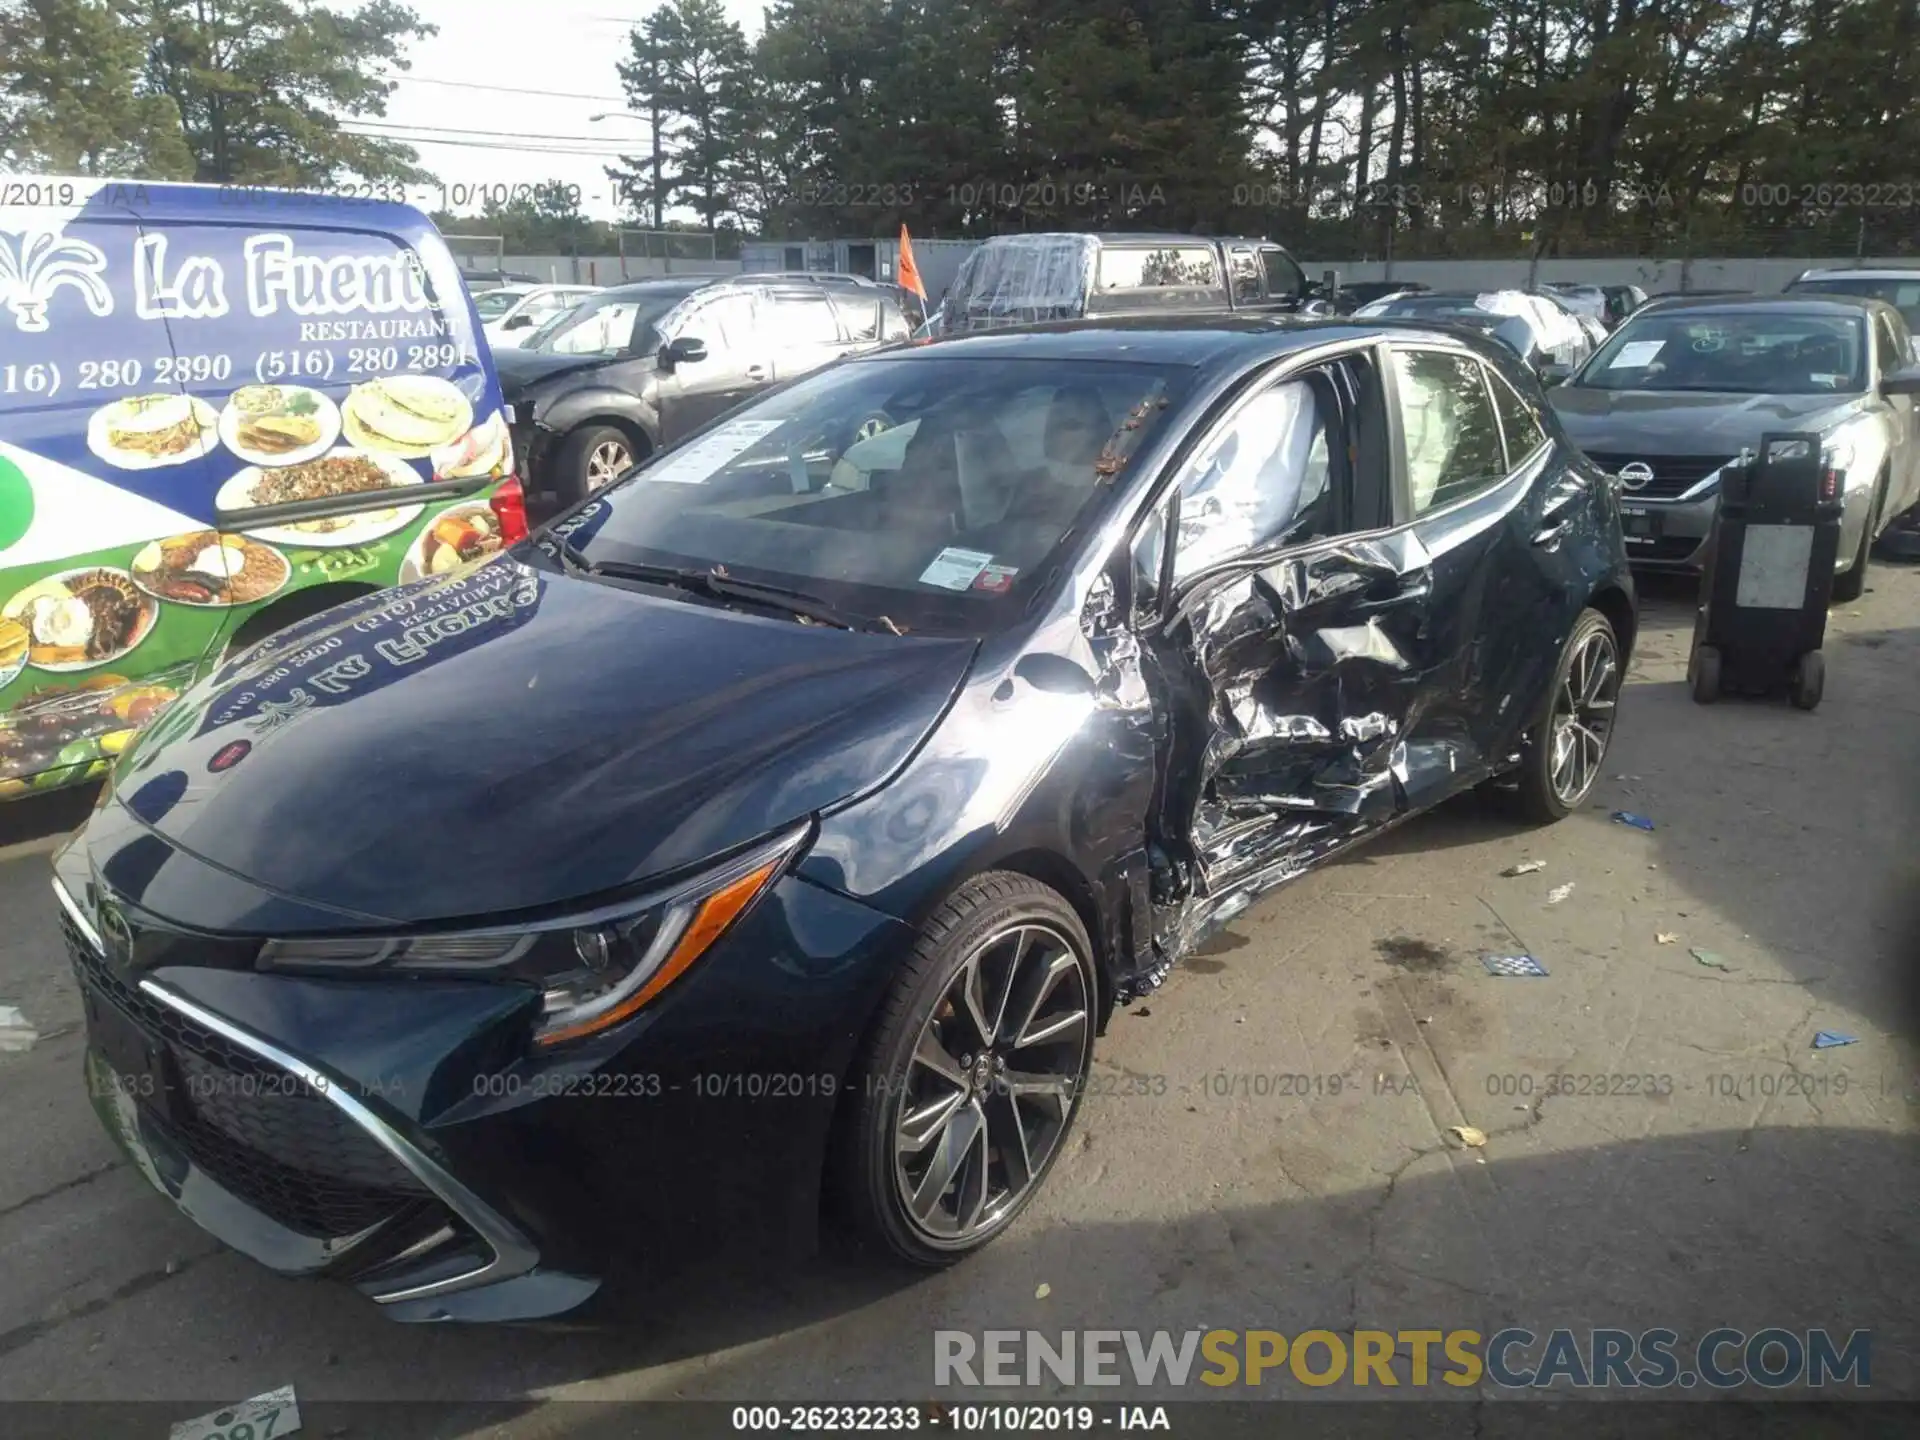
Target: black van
1027 279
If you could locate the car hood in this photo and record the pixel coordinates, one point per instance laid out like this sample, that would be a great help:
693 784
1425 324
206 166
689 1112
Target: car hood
514 738
522 370
1646 422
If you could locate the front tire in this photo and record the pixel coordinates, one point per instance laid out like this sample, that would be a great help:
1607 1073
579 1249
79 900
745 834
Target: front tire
1568 747
974 1074
1852 584
591 459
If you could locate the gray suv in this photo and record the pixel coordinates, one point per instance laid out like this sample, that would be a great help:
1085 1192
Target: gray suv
641 366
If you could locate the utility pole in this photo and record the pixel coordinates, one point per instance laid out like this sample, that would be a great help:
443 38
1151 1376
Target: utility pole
653 108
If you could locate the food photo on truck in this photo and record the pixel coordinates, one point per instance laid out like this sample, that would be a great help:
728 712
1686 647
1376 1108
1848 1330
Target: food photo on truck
221 412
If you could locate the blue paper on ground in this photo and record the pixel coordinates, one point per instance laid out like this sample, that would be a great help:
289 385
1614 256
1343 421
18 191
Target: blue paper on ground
1638 822
1827 1039
1514 965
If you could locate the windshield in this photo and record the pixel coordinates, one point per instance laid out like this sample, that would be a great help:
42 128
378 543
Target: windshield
1736 352
492 304
1902 294
933 491
609 325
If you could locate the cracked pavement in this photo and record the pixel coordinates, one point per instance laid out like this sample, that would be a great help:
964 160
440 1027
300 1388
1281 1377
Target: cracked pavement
1268 1142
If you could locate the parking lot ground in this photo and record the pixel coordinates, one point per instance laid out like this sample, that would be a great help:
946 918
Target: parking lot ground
1268 1142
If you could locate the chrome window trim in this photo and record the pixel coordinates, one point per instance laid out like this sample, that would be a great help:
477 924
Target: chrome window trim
512 1255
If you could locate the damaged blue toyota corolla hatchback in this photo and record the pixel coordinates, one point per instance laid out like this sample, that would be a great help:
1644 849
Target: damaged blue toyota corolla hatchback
786 821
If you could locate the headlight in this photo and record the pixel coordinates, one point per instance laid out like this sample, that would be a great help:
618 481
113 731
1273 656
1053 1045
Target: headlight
593 970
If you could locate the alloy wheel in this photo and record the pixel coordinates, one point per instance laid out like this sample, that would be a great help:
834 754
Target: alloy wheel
606 463
1583 717
992 1083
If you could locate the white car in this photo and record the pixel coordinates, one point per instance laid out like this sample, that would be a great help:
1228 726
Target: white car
511 313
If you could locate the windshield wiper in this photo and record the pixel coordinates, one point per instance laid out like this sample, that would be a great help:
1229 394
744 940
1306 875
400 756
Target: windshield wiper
716 584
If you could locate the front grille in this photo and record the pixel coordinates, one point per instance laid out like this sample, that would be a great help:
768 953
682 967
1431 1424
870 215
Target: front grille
1673 475
259 1131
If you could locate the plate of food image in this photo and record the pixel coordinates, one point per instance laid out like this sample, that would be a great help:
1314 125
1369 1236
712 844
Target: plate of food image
457 536
210 570
15 640
406 415
82 619
279 424
486 449
144 432
342 471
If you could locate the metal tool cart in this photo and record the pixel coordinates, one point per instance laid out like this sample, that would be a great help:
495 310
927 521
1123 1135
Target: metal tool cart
1769 575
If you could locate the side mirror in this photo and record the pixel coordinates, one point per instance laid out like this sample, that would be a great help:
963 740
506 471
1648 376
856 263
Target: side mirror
1554 373
684 351
518 322
1901 382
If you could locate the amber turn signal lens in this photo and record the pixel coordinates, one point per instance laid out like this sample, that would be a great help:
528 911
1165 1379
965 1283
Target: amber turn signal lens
718 911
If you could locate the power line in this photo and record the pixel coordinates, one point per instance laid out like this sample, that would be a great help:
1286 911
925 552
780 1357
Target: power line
505 89
485 134
493 145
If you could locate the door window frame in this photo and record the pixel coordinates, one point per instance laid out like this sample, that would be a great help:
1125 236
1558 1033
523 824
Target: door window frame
1163 500
1403 486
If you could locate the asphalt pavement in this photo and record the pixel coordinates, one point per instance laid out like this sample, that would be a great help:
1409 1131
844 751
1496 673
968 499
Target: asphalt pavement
1269 1142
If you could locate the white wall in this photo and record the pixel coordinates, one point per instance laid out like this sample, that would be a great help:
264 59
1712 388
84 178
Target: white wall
597 269
1653 276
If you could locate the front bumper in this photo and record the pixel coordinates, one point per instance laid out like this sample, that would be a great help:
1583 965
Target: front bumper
399 1136
1680 528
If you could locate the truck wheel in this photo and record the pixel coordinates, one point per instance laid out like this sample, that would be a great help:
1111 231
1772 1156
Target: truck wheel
1853 584
1706 675
1809 679
591 459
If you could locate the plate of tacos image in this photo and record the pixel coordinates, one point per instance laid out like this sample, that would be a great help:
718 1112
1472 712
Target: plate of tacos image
341 471
81 619
406 415
486 449
458 535
210 570
279 424
144 432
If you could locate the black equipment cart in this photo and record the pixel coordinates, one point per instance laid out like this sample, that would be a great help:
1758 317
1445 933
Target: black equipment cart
1769 575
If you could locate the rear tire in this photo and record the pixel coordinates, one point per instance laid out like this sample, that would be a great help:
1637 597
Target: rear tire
590 459
1706 675
1564 754
956 1121
1809 679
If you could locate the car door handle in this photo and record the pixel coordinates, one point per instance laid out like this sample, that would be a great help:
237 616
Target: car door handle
756 372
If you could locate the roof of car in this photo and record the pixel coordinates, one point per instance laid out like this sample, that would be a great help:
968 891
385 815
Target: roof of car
1198 340
1871 272
1813 303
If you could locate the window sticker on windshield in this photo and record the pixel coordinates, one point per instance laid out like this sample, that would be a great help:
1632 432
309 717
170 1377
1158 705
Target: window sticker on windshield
955 569
1831 381
1637 355
996 579
707 456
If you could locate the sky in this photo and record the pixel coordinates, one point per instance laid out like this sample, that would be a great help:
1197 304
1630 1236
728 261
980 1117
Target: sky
480 141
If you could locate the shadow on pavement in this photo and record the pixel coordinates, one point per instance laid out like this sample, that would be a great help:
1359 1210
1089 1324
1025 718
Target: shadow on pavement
1792 1227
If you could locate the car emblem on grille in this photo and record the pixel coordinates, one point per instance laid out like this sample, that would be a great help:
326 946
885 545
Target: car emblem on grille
1636 476
116 936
